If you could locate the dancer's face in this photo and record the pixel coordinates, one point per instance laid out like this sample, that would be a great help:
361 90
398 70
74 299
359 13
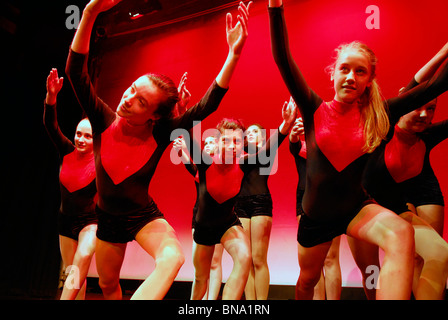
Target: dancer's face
140 101
83 137
419 119
231 145
254 135
210 145
352 75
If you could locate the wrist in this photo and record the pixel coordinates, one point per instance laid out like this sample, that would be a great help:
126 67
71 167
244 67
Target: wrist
50 99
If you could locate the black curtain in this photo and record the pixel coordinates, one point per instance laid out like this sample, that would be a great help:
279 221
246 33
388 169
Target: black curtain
34 41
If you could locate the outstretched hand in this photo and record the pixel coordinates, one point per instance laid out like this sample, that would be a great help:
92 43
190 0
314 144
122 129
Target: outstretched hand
184 94
237 35
289 111
54 85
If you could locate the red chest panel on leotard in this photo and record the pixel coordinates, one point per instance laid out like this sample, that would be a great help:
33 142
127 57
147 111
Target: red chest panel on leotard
77 172
125 150
404 155
339 134
223 185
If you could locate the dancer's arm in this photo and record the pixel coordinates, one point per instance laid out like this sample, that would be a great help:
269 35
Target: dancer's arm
290 72
54 85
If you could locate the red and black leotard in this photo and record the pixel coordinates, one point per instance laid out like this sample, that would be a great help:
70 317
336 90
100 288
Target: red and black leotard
76 180
255 198
400 168
126 157
397 166
218 192
334 137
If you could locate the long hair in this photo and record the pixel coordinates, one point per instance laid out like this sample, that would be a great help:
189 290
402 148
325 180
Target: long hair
169 89
374 113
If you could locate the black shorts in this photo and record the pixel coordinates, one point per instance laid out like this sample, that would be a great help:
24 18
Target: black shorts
254 205
124 228
311 233
71 225
426 192
209 236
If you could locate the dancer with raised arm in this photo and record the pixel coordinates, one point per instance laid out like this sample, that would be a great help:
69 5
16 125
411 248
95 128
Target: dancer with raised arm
340 136
77 217
128 145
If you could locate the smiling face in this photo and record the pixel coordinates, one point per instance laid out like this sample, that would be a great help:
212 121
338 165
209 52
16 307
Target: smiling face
352 75
140 101
83 137
418 120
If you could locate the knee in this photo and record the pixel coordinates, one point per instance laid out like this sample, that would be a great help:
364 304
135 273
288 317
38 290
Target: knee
259 260
244 258
307 281
171 258
400 240
108 285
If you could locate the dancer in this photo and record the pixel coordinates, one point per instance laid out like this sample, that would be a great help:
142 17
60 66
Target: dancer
340 135
77 218
220 181
423 191
215 278
330 282
389 173
254 209
128 144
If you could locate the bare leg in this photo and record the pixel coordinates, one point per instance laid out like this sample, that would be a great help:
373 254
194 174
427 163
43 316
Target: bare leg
377 225
237 245
249 290
433 249
434 215
311 261
109 258
202 259
215 280
82 259
365 255
159 239
333 277
260 235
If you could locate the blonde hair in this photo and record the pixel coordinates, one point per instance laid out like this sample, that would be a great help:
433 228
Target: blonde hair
374 112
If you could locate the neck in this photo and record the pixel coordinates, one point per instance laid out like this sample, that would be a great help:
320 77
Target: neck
130 128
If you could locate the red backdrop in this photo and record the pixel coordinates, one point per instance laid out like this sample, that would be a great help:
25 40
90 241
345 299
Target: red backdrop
410 33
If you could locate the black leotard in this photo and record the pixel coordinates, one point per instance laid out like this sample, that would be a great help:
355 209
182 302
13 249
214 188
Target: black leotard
76 180
125 162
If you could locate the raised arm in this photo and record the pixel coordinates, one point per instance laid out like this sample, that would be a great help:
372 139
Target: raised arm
81 41
99 114
236 38
419 95
430 68
291 74
54 86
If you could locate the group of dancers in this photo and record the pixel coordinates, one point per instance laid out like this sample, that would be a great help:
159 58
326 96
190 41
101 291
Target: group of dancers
363 165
